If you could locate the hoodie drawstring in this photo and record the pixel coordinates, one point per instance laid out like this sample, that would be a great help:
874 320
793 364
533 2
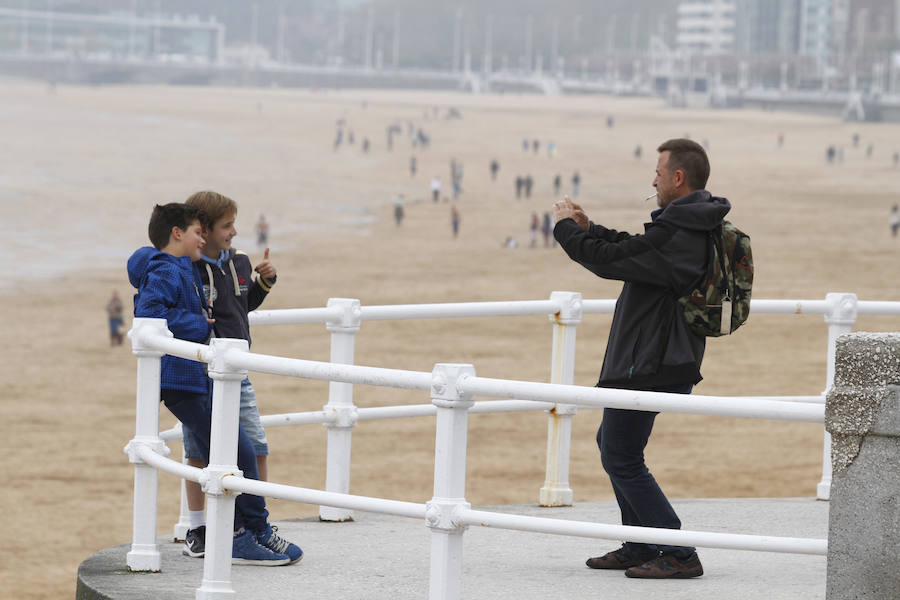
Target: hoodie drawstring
234 280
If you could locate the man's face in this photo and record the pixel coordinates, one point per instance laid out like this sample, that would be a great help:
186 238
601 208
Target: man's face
664 182
218 237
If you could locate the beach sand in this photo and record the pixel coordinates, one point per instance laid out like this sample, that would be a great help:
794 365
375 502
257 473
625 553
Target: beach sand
83 167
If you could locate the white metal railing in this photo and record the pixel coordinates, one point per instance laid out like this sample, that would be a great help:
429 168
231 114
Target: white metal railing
453 388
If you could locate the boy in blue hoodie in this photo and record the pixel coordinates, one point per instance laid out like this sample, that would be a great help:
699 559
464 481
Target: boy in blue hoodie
169 287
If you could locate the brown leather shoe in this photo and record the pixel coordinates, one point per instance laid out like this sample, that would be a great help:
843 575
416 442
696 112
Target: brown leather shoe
617 559
668 566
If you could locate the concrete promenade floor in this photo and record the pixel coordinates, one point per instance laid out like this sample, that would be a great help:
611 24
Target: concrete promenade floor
383 557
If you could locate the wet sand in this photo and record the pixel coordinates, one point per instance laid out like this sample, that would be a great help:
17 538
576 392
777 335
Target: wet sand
83 167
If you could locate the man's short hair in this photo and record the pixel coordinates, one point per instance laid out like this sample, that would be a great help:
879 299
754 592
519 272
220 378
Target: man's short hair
690 157
167 216
214 205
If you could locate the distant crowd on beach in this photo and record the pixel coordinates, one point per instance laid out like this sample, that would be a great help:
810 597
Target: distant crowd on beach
414 136
536 227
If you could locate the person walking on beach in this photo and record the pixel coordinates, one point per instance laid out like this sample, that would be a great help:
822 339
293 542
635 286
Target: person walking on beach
114 312
262 232
650 346
435 188
895 220
576 182
454 220
398 209
533 231
547 229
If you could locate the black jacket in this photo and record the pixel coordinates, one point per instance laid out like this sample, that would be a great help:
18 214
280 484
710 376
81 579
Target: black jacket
233 293
650 346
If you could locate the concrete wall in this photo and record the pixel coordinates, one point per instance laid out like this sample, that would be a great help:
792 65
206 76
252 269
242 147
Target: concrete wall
863 416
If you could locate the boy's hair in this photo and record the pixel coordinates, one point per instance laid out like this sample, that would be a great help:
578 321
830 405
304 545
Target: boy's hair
690 157
167 216
213 204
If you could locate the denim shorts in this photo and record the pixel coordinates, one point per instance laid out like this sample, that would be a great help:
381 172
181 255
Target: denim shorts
249 422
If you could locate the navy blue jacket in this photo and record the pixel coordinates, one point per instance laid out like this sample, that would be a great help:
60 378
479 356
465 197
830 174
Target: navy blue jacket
233 292
169 288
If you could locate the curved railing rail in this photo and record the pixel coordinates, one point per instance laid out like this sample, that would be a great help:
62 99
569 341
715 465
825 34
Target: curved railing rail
453 389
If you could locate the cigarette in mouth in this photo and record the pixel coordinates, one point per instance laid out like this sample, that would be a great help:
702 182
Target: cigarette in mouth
649 197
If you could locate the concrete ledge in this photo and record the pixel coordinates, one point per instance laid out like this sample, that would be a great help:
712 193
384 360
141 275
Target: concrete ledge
378 557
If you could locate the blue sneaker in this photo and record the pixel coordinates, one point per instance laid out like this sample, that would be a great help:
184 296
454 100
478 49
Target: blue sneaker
274 542
245 550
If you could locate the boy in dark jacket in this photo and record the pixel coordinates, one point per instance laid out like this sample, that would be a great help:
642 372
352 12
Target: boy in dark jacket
169 287
650 346
232 292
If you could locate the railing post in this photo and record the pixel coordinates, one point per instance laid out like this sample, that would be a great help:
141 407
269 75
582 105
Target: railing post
179 531
226 400
840 319
556 490
863 414
144 554
340 404
449 480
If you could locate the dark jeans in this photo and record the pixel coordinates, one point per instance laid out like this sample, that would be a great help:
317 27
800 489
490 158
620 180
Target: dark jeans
622 437
195 412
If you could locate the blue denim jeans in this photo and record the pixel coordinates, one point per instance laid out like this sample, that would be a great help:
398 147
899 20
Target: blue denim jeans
194 412
622 437
249 422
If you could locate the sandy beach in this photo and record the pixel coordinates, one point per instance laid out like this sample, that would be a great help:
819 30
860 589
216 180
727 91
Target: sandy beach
83 167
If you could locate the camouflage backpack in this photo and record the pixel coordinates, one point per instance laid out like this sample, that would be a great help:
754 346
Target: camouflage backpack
721 301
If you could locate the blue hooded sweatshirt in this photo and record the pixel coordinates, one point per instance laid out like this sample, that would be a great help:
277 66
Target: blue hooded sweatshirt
169 288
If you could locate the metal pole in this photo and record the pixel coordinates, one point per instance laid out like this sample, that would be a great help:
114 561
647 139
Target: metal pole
144 554
840 320
487 66
442 512
132 23
49 26
282 24
370 36
25 27
554 45
340 403
179 531
226 401
556 490
395 50
529 43
457 41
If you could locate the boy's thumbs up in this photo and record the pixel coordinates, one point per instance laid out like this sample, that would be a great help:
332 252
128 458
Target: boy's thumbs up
265 268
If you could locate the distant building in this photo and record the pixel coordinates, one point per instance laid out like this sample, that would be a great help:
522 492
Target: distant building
871 24
110 36
767 26
706 27
816 30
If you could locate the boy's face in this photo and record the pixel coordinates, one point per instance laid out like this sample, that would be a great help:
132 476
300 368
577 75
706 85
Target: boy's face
218 237
192 241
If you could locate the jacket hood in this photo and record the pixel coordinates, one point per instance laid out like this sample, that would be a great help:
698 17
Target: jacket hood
699 210
138 262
